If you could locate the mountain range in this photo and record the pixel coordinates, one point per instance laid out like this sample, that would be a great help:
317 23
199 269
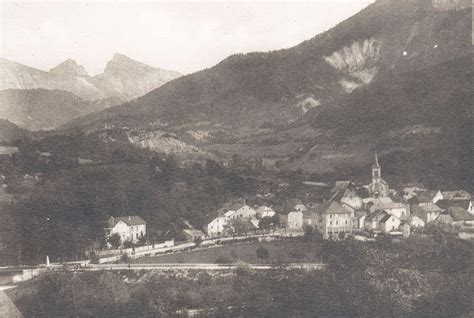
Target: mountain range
396 77
37 100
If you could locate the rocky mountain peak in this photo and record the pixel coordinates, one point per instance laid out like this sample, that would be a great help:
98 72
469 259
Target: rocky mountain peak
69 67
121 64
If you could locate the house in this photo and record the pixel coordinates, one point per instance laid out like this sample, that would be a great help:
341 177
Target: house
444 222
410 189
397 209
345 192
389 223
378 187
130 228
381 220
431 212
265 211
425 198
416 222
240 210
217 226
295 220
192 235
461 216
465 204
332 219
456 195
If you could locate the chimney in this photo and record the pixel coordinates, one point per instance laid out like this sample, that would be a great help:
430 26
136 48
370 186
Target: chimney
129 217
113 221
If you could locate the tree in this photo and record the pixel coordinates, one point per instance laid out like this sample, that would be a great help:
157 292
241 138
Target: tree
128 244
115 240
142 239
262 253
265 223
237 227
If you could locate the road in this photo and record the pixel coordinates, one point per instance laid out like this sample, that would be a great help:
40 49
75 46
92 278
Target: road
181 266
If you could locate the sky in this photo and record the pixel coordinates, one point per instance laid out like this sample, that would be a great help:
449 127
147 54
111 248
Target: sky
184 36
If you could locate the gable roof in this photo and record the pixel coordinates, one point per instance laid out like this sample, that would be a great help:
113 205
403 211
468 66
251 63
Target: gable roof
339 190
386 217
377 215
459 214
455 195
444 218
129 220
426 196
431 208
331 207
264 208
446 204
413 216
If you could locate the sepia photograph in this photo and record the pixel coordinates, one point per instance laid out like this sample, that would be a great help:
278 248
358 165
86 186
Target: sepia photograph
231 158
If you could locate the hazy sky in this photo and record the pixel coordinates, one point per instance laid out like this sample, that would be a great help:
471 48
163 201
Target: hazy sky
182 36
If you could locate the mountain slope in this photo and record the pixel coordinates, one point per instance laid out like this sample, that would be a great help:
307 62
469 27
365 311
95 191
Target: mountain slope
396 77
17 76
128 79
258 92
41 109
9 132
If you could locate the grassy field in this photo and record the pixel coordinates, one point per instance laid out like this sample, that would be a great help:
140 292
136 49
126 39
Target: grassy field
280 251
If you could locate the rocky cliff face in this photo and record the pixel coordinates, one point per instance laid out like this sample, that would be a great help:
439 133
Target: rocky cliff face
123 78
17 76
126 78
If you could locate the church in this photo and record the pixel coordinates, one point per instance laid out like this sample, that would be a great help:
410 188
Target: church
378 187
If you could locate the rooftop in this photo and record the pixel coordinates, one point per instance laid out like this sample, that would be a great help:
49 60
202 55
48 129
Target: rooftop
129 220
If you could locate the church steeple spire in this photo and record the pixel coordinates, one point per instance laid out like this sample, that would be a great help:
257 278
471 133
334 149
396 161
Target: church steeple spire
378 187
376 170
376 164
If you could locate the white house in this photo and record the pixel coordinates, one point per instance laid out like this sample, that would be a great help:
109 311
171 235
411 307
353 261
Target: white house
382 220
389 223
240 210
130 228
332 219
295 220
397 209
426 198
217 226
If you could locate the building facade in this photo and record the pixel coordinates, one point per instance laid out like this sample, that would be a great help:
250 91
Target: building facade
130 228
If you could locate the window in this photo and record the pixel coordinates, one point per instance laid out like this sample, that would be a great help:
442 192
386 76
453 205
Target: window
330 222
337 222
346 221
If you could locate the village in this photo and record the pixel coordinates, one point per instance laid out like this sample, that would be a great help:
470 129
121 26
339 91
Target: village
345 214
